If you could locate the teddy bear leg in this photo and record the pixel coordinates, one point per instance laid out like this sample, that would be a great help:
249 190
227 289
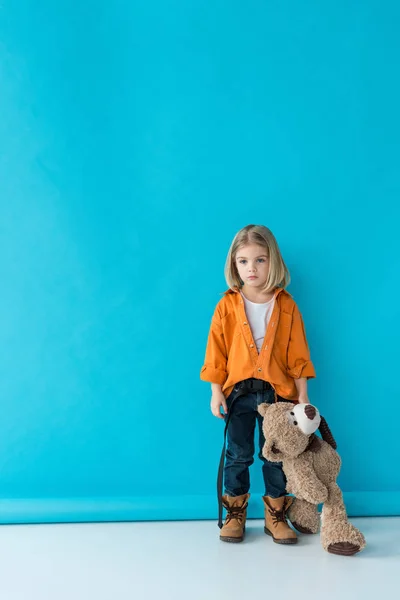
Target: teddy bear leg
304 516
338 535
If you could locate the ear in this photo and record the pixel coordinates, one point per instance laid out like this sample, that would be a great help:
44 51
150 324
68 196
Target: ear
327 434
262 409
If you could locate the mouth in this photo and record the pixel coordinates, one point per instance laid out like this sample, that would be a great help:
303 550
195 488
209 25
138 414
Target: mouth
252 277
274 449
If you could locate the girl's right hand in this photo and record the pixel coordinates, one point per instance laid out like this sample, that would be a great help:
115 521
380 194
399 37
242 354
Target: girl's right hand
217 401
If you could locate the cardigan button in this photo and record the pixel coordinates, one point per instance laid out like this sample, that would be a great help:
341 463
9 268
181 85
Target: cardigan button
259 369
245 323
251 345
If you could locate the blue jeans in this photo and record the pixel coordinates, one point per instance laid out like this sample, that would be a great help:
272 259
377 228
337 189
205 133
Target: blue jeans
240 447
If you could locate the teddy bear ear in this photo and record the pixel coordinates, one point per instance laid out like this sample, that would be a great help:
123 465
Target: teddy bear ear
262 408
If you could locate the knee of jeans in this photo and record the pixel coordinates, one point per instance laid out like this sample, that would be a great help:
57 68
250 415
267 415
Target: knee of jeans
273 464
240 455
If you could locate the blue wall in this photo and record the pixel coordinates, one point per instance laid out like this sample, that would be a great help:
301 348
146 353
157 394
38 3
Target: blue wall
136 138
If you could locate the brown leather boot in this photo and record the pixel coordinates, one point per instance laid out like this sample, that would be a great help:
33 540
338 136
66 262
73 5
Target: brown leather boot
276 524
235 523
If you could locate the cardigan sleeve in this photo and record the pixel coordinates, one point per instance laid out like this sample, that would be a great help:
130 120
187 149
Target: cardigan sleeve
299 362
214 367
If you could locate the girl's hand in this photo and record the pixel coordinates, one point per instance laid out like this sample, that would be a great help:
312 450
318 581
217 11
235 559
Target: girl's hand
301 385
218 400
304 400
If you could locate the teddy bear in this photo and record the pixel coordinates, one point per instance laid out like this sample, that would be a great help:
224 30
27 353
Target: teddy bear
311 466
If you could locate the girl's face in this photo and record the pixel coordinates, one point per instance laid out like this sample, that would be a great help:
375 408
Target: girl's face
252 263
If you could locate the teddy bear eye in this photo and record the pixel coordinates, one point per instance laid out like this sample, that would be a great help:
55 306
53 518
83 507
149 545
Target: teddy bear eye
292 413
294 422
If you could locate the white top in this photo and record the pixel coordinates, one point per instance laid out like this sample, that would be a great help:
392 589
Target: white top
258 316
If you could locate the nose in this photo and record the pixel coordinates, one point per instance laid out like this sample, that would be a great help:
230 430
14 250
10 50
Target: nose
310 411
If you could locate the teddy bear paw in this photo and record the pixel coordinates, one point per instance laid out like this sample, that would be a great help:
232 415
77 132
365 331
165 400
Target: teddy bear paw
352 542
301 529
344 548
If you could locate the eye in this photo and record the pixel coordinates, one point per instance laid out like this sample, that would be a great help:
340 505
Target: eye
261 259
291 417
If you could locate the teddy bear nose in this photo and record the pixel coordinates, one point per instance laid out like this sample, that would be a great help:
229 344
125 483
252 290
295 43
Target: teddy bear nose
310 411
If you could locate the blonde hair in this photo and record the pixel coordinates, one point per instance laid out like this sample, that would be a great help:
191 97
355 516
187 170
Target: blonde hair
278 275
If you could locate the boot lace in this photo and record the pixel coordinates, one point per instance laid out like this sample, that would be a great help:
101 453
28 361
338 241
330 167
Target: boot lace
235 512
278 516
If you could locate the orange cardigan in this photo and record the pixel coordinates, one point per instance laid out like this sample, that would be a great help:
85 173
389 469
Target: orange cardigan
231 354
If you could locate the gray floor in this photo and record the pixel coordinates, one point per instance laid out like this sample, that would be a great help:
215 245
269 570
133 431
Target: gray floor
185 561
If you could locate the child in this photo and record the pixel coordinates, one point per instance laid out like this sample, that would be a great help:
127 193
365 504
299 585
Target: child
256 352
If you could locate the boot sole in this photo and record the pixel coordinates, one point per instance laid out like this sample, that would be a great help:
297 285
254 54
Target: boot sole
233 540
286 542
